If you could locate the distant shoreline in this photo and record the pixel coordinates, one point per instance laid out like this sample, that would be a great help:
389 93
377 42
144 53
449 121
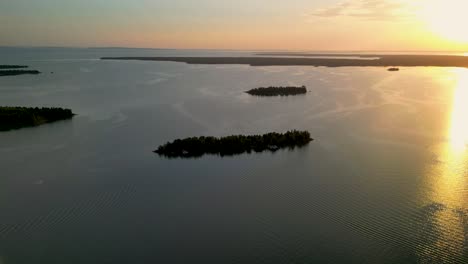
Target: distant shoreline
382 61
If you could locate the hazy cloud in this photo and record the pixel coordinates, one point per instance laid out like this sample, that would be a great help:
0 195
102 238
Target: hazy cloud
378 10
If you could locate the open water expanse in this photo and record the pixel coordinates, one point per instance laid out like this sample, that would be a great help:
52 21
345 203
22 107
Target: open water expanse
384 181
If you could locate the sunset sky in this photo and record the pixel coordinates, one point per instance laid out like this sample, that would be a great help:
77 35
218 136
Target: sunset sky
241 24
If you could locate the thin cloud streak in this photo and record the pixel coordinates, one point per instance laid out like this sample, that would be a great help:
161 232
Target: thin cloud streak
375 10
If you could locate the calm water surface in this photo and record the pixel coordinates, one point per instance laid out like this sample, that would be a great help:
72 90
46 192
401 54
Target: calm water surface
384 181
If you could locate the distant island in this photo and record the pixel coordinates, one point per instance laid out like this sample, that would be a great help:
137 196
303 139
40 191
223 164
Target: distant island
305 54
13 66
278 91
17 72
305 60
233 145
12 70
393 69
19 117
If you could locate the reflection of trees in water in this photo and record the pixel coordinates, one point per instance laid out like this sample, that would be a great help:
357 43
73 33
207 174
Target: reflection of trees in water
440 235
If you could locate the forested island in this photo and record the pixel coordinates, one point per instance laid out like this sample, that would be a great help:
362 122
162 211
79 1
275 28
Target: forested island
233 145
17 72
19 117
13 66
394 69
278 91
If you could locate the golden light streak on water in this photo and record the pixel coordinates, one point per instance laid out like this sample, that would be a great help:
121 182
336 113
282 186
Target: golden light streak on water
447 177
458 135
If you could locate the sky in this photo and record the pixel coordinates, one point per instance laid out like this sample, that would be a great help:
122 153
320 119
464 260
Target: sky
374 25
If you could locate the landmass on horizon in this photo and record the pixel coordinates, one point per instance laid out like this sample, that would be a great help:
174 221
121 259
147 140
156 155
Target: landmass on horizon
282 60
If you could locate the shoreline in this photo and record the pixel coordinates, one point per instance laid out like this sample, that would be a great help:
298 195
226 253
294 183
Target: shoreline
382 61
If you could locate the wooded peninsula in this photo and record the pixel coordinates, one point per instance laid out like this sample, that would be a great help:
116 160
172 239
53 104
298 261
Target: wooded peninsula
19 117
233 145
346 61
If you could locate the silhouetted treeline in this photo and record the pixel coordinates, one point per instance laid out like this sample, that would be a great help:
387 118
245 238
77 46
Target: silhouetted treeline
278 91
18 117
393 69
233 145
18 72
13 66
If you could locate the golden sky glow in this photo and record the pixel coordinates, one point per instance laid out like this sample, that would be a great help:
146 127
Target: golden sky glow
409 25
447 18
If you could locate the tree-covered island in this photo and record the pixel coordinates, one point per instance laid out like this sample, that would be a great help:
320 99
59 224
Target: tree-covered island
3 66
233 145
278 91
18 117
17 72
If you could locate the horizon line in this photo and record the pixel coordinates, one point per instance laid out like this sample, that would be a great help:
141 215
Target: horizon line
220 49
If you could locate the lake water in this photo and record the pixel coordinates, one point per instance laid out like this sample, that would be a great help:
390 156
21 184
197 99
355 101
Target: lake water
383 182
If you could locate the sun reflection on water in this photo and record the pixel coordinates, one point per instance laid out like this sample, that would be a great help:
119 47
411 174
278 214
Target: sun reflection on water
447 177
458 135
449 174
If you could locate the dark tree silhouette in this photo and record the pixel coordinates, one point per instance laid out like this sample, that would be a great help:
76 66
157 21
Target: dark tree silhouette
18 117
13 66
17 72
278 91
233 145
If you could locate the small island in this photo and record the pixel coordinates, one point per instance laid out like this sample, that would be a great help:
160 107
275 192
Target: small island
19 117
233 145
17 72
13 66
394 69
278 91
